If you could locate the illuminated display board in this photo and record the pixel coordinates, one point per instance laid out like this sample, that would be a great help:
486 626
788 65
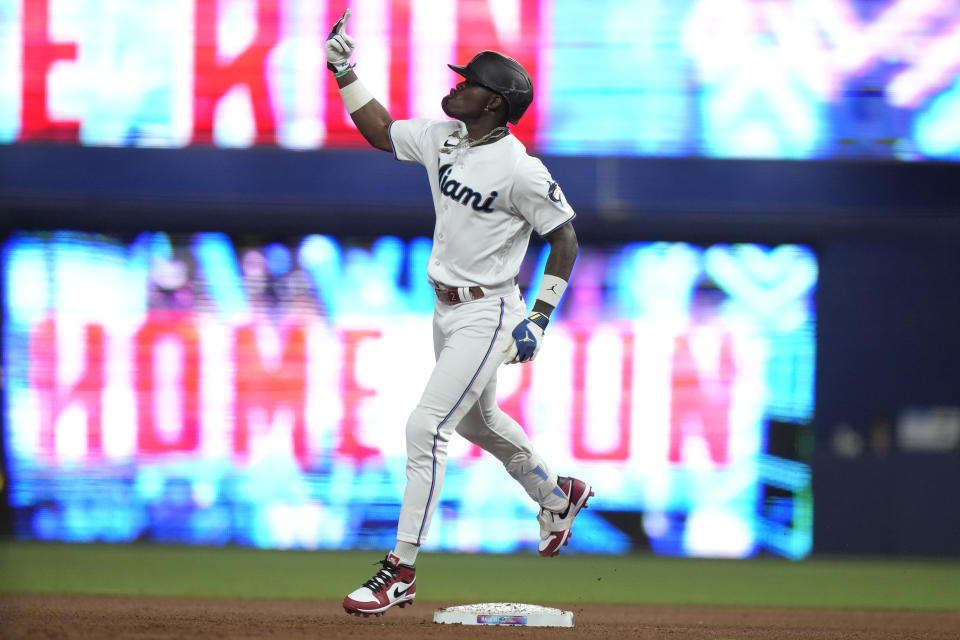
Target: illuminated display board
207 390
717 78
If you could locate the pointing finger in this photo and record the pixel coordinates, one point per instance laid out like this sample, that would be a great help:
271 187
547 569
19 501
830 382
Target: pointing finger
342 23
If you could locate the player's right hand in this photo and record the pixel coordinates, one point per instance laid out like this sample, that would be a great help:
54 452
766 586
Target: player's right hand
339 46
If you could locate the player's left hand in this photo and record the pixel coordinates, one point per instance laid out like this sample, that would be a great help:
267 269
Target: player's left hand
527 337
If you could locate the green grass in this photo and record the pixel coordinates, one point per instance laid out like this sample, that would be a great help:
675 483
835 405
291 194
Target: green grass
154 570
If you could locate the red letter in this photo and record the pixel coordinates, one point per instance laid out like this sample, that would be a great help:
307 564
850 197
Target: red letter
271 389
167 325
698 405
213 79
340 130
400 94
353 396
513 405
53 400
622 450
476 31
39 54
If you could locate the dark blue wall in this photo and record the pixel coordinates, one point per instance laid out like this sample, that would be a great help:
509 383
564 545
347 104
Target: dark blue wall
895 504
616 197
889 338
889 333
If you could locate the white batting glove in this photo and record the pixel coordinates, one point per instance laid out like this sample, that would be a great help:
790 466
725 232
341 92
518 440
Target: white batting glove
527 337
340 47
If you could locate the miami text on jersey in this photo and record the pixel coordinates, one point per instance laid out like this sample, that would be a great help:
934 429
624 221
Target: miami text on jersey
462 193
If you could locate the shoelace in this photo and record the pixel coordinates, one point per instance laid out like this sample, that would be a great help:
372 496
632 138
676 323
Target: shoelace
382 577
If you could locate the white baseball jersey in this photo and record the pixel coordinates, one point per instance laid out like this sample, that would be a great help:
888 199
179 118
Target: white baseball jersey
487 200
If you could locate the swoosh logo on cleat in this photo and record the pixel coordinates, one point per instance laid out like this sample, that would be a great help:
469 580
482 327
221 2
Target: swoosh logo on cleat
398 593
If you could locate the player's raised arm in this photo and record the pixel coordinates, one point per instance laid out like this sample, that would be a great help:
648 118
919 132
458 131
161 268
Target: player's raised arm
371 117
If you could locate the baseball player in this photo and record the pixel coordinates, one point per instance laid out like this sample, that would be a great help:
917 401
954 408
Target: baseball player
488 195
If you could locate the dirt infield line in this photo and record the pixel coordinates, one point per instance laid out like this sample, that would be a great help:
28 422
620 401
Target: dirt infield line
87 617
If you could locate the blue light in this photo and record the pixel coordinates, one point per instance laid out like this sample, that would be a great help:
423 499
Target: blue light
938 128
278 258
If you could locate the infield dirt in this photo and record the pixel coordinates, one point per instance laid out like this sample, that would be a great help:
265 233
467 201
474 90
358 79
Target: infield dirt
87 617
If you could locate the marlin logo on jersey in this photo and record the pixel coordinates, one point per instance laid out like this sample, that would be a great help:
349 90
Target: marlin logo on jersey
463 194
555 194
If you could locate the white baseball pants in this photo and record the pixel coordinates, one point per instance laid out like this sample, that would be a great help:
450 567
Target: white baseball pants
469 340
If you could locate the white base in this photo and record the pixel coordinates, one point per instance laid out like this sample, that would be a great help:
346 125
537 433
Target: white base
504 613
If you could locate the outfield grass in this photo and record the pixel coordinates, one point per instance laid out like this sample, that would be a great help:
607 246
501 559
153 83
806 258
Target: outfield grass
153 570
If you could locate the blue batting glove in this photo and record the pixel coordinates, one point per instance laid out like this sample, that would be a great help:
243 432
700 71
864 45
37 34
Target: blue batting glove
527 337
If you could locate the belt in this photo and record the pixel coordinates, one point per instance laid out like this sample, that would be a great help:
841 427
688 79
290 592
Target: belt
456 295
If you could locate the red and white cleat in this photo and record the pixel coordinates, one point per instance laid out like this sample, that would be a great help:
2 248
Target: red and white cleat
394 584
555 528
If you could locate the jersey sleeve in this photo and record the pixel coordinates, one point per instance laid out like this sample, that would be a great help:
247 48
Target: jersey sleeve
410 139
538 198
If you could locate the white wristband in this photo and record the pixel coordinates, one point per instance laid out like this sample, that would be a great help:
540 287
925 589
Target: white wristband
355 96
551 290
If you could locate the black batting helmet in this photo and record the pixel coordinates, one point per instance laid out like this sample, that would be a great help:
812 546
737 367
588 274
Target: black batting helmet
501 74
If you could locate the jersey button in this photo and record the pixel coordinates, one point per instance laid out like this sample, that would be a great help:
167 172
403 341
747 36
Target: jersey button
440 236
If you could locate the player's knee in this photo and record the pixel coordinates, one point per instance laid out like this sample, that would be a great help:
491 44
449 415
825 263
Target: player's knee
421 426
490 415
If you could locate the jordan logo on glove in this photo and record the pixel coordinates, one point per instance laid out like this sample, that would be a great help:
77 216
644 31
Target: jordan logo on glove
526 338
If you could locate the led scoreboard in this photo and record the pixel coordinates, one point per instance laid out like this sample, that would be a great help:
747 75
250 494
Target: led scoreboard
717 78
208 390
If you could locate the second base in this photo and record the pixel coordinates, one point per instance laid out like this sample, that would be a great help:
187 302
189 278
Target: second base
504 613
